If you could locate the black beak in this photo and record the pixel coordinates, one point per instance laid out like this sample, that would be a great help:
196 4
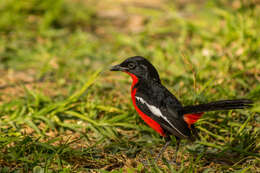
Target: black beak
118 68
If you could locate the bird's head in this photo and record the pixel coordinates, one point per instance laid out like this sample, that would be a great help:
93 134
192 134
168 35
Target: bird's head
138 66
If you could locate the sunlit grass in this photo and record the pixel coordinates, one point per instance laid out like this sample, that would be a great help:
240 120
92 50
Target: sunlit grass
62 110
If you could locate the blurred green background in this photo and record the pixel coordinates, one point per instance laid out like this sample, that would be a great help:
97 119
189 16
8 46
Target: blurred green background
62 110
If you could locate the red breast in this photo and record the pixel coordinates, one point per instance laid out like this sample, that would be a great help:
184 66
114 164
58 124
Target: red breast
153 124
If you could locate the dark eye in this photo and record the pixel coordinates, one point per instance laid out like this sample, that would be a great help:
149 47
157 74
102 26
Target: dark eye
131 65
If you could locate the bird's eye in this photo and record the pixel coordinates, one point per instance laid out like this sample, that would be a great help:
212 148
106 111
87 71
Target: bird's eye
131 65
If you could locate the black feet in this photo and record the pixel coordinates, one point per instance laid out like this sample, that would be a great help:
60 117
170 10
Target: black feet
173 162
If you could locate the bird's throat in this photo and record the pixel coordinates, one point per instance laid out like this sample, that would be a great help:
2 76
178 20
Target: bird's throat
135 80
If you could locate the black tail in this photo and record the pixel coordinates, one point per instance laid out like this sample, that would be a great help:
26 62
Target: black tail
218 105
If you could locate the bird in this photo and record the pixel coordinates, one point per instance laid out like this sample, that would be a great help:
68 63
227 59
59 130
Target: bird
161 110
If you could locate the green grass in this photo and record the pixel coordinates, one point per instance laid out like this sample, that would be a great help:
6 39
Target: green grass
61 110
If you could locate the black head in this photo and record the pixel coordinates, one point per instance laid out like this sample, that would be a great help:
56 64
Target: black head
140 67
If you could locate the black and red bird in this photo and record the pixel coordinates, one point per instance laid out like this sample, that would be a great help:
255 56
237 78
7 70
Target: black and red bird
160 109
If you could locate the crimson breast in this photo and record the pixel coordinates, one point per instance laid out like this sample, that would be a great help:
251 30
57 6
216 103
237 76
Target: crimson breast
153 124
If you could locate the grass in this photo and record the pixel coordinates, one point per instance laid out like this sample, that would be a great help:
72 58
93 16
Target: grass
61 110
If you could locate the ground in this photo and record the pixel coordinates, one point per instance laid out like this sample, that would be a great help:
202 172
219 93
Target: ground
62 110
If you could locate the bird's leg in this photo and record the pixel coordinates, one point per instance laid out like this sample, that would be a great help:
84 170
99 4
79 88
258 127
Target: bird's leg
162 150
168 141
178 141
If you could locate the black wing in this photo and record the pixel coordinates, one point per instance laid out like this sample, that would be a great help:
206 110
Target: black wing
166 112
170 107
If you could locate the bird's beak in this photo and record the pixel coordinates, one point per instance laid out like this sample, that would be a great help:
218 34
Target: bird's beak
118 68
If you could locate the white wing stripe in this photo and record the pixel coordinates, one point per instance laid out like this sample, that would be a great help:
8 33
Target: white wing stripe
152 108
156 111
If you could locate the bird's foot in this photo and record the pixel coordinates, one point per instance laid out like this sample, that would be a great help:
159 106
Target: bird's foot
173 162
146 162
149 162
